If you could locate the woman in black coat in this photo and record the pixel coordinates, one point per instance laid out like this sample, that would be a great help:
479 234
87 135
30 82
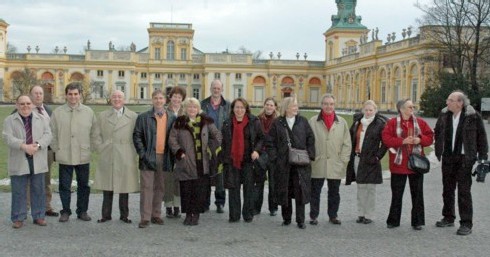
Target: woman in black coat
241 147
292 181
367 151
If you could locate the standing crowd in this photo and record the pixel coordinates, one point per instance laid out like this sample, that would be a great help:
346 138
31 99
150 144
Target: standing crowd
175 153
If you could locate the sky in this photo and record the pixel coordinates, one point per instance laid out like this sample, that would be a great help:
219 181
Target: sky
286 26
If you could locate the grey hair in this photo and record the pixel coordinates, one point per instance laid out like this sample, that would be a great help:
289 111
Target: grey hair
327 95
462 97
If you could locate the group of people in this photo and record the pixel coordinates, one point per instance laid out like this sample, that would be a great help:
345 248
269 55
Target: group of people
176 152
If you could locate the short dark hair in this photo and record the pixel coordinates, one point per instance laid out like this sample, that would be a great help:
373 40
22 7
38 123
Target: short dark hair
243 101
177 90
73 86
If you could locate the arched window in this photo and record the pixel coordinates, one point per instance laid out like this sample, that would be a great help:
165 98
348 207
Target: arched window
414 83
398 85
382 92
170 50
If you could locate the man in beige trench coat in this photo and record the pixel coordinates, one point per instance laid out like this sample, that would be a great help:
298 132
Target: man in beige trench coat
117 170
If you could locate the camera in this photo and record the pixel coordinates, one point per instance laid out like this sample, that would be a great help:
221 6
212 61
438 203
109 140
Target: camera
481 170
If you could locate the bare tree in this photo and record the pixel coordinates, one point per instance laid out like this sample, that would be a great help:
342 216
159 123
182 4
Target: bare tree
23 81
87 88
255 55
458 28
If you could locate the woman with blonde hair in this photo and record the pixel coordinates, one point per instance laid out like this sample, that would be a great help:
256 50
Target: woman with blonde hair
365 160
189 139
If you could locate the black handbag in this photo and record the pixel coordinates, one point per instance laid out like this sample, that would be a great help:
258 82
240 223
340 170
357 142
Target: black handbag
298 157
418 163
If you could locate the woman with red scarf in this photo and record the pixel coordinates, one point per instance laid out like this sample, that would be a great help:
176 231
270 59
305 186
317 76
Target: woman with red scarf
241 147
266 116
403 135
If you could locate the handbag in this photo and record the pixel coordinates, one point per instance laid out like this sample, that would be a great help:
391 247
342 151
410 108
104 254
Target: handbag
298 157
418 163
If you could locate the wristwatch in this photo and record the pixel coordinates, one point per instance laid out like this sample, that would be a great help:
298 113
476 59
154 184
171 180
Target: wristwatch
38 145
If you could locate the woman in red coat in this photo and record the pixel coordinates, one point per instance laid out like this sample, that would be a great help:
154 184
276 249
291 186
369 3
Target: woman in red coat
403 135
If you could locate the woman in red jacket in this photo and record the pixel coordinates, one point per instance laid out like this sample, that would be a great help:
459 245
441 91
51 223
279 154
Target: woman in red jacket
403 135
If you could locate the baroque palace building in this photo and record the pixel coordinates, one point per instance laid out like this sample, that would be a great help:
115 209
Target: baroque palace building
357 66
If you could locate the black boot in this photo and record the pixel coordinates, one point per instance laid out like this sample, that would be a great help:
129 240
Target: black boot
188 219
176 212
169 212
195 219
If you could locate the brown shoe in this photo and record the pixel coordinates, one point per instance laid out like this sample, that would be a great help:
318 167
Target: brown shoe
52 213
17 224
144 224
157 220
40 222
335 221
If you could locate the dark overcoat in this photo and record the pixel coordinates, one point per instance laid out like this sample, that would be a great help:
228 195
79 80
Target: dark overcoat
302 138
372 151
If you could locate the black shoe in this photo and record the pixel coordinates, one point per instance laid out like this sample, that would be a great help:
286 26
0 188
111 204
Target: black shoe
169 212
233 220
286 222
273 213
335 221
301 225
195 219
248 220
219 208
176 212
125 220
392 226
188 219
444 223
313 222
255 212
367 221
104 220
417 227
463 230
360 219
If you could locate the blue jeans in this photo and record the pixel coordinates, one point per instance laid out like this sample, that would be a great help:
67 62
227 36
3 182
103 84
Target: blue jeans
83 189
19 197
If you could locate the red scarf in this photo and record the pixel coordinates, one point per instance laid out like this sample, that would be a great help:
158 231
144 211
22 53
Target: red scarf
266 122
238 141
328 119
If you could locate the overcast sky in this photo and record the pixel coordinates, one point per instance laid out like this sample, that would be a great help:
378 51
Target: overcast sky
286 26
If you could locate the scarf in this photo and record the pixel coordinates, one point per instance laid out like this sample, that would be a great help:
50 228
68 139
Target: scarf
195 125
266 122
365 122
238 141
416 132
328 119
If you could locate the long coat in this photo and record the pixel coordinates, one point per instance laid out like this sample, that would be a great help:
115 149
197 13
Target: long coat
302 137
181 141
14 136
117 168
372 151
333 148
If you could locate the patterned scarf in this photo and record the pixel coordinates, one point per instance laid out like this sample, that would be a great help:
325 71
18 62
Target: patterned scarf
238 141
416 132
196 134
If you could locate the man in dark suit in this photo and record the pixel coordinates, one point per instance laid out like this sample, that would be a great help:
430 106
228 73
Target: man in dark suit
37 97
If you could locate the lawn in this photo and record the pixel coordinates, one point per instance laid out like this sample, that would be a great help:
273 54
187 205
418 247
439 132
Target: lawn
6 110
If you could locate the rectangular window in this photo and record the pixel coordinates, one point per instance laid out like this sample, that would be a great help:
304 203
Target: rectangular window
383 91
196 76
143 75
238 91
415 84
397 90
157 53
196 93
170 76
259 95
121 74
157 75
238 76
142 92
314 95
217 75
183 54
100 73
182 76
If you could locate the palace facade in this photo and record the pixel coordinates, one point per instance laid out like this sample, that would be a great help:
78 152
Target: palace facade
357 66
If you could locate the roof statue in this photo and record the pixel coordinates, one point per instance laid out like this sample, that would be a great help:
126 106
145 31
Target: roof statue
346 15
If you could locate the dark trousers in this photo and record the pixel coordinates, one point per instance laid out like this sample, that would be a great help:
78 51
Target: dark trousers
219 192
193 195
333 197
294 191
83 189
398 182
259 192
245 176
107 205
457 172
